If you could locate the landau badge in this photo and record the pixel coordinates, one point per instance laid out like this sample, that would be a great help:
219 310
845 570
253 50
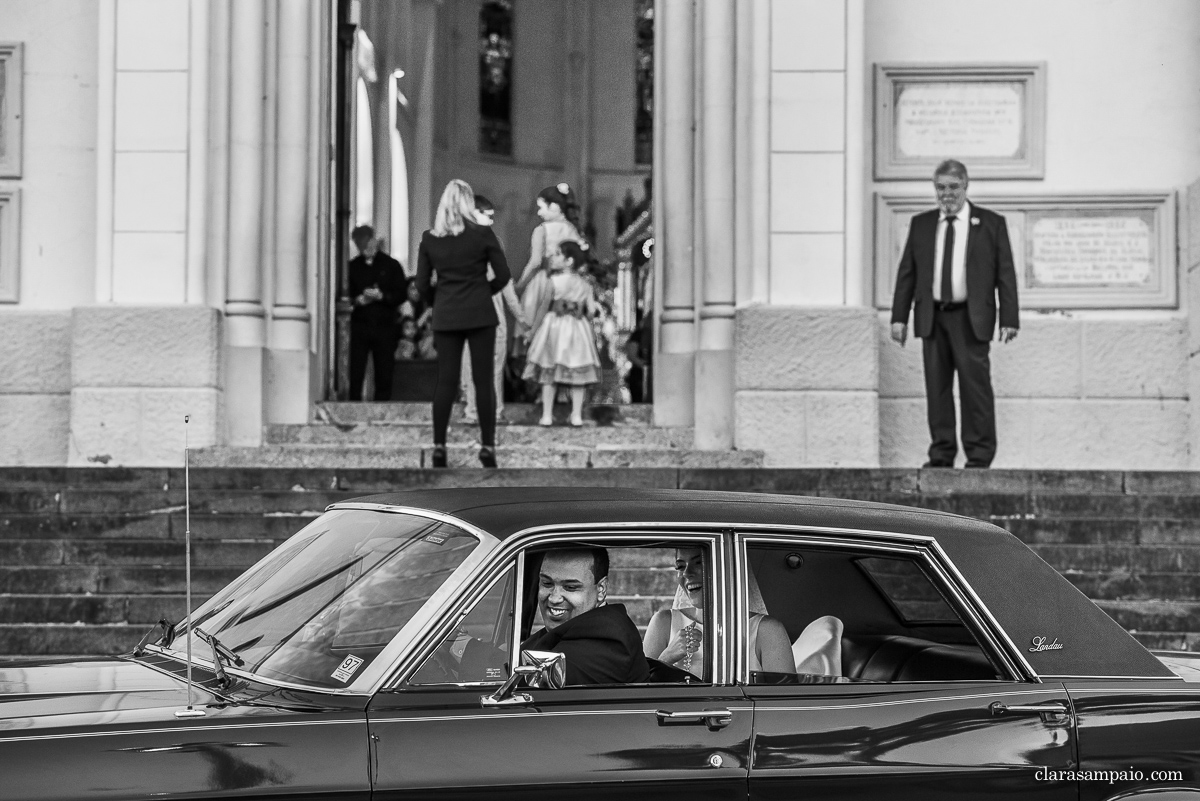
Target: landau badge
1041 644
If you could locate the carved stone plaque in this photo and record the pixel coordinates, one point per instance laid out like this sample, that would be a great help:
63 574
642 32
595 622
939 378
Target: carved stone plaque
967 120
1066 251
990 116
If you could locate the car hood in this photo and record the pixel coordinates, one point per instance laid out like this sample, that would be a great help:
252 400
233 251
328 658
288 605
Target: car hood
32 691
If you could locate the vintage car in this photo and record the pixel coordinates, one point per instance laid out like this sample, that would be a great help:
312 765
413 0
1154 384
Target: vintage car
378 654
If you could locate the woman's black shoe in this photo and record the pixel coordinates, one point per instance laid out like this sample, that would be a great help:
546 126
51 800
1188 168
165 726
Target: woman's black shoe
439 456
487 457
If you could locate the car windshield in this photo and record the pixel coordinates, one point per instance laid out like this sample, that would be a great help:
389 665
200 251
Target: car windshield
324 604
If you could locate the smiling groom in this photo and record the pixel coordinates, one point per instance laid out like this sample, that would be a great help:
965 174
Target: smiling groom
956 263
601 643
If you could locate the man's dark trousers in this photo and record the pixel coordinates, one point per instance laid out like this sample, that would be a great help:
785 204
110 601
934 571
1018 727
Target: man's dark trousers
380 342
952 346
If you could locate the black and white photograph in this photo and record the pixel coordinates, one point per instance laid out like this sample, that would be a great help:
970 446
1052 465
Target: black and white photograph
732 399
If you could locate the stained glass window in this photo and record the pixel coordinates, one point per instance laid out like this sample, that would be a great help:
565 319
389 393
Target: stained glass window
644 115
495 77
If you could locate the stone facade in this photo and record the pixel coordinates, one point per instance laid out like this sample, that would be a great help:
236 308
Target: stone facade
175 231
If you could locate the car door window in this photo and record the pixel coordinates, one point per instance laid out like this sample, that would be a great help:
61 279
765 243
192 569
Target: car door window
857 616
664 589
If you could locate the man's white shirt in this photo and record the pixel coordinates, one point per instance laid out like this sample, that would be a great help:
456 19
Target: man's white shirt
958 263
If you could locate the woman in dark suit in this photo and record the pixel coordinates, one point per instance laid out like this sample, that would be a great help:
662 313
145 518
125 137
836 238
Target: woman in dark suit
459 250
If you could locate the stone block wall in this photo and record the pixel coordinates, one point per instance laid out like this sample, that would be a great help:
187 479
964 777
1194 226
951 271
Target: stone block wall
807 385
1071 392
35 387
135 373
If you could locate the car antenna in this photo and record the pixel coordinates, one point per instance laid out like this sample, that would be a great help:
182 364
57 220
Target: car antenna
191 711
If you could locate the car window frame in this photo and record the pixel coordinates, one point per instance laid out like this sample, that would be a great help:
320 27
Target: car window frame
519 545
995 644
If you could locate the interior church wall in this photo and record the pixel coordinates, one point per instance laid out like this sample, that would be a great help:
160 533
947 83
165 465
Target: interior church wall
573 109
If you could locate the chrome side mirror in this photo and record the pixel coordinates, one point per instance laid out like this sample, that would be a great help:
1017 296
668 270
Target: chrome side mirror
551 668
544 669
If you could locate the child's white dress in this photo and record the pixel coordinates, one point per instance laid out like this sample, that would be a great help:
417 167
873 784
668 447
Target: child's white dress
563 349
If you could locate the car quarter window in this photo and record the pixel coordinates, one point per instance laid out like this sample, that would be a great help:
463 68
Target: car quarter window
623 611
852 615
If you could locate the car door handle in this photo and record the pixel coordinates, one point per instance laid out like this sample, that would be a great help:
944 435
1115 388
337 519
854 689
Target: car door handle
1055 710
713 718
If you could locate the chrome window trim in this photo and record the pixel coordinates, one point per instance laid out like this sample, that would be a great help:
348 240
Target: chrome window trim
1074 677
372 678
922 550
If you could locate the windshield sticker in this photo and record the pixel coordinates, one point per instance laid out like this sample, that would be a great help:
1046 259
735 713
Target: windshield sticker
1041 644
346 670
436 539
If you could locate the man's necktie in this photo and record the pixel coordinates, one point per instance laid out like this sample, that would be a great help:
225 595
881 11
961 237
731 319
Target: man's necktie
948 263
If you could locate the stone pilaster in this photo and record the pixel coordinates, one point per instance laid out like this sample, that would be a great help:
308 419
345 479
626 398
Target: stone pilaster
288 359
245 325
714 358
674 367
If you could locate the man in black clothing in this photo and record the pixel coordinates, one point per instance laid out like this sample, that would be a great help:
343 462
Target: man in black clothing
601 643
377 288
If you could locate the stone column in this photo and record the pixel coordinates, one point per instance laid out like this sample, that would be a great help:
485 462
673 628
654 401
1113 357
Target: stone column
288 359
245 325
674 368
714 359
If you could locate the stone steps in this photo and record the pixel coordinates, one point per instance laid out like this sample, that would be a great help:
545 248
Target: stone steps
400 436
345 413
420 435
91 557
557 457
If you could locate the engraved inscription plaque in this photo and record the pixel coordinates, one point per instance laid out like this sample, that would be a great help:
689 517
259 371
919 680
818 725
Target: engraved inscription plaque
967 120
992 116
1068 251
11 73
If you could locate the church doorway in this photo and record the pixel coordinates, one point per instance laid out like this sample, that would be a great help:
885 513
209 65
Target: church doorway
511 96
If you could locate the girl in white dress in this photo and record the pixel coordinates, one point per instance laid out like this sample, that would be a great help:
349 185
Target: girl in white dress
559 213
563 348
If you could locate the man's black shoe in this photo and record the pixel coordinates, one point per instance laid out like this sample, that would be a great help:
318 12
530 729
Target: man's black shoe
980 465
932 463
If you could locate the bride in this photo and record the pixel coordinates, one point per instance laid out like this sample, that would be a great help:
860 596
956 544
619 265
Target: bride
675 636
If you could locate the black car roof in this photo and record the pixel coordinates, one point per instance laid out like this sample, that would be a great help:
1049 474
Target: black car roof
1028 598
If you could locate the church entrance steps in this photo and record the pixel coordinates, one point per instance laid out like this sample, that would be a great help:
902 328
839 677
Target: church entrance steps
464 455
400 435
393 435
91 557
345 413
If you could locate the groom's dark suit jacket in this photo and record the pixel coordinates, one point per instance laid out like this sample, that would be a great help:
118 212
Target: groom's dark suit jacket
989 269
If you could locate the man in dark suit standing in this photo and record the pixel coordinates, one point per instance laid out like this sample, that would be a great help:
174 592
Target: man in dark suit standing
377 288
956 263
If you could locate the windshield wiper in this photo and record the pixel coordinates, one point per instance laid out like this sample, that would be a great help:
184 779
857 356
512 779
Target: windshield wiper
220 652
168 634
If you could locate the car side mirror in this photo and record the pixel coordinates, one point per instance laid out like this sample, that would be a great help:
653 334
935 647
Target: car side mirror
544 669
551 669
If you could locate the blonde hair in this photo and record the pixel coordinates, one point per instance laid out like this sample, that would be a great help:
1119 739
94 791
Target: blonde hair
456 206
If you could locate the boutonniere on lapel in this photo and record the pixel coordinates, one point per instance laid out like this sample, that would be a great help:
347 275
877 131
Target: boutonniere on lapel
974 221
